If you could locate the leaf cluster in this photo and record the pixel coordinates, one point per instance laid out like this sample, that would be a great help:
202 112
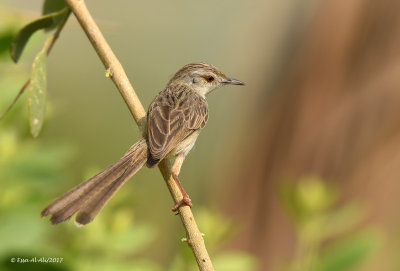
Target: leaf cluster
329 237
54 15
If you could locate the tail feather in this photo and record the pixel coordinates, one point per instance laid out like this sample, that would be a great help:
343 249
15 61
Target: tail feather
95 204
72 203
91 196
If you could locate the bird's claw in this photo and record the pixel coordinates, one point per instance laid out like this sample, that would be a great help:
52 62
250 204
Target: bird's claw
184 201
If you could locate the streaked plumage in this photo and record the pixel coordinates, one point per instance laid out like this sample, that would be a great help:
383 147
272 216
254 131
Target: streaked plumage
174 120
174 115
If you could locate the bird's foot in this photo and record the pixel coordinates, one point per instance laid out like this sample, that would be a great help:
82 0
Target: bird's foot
184 201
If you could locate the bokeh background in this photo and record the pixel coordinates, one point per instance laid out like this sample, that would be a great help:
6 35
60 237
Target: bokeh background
297 170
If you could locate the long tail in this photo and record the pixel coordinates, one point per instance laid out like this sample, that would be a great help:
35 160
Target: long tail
89 197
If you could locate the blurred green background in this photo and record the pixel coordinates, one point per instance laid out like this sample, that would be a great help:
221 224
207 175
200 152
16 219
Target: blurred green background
297 170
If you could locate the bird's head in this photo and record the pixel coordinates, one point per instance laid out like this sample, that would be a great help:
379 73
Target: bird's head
202 78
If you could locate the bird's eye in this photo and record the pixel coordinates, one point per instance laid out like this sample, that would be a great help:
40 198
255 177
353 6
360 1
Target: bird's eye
210 78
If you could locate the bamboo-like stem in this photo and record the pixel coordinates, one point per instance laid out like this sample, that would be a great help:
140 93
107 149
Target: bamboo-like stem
115 70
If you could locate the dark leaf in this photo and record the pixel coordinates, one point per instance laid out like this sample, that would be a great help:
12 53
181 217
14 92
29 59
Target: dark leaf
51 6
5 40
22 37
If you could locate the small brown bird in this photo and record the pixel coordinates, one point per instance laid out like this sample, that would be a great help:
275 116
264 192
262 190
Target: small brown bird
174 120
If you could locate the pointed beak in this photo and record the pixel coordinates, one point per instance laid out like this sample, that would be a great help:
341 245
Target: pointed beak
232 81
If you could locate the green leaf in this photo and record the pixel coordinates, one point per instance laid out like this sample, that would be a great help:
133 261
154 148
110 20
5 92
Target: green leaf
348 254
51 6
22 37
37 91
5 40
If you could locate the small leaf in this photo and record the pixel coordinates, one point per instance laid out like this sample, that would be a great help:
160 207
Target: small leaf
22 37
37 91
51 6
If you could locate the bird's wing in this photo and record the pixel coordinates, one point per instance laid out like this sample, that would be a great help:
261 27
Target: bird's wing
172 117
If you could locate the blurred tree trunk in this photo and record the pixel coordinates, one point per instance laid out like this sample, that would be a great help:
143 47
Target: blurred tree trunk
335 113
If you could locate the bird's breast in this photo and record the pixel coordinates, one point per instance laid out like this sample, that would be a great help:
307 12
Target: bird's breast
186 145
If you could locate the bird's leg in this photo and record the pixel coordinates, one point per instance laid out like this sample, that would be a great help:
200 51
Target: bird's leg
185 200
176 168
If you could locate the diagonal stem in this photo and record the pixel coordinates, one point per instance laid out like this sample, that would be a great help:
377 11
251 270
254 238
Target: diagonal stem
120 79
